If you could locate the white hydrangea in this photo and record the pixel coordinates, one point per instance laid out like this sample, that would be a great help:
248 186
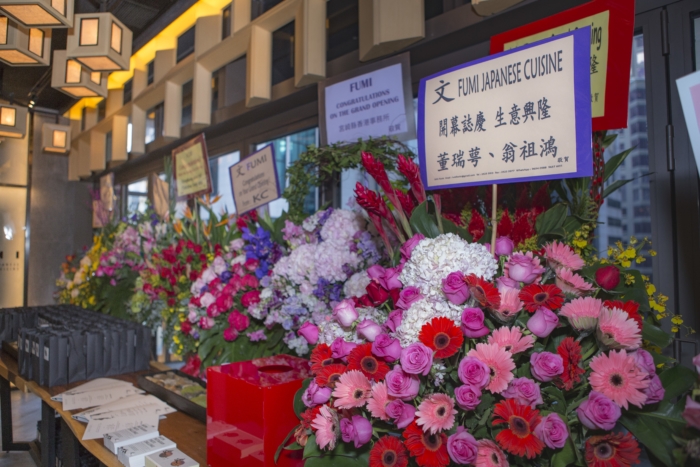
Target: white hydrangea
356 286
422 311
341 226
329 260
433 259
298 344
329 329
439 371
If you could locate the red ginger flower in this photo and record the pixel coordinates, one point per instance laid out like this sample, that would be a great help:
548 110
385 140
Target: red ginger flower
483 291
410 170
429 450
406 201
376 169
388 451
321 356
374 204
442 336
570 352
518 438
630 307
538 295
361 358
612 450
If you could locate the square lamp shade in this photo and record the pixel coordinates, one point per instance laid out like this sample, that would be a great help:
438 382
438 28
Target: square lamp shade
40 13
55 138
74 79
100 42
21 46
13 121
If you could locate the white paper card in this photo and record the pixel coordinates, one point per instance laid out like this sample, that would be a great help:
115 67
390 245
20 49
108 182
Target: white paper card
114 440
111 409
91 386
98 428
98 397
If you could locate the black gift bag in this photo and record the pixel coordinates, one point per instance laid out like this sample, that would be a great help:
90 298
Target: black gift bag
94 343
55 359
77 360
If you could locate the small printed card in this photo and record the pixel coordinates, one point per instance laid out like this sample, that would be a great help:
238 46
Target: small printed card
115 440
170 457
98 428
134 455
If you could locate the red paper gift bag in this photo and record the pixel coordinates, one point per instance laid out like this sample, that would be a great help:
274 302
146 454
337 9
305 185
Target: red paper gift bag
250 411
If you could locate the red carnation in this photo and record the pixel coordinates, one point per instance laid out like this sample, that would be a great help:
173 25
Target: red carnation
608 277
570 352
250 298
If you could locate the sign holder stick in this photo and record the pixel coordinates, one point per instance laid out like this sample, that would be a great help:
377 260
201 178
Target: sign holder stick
494 214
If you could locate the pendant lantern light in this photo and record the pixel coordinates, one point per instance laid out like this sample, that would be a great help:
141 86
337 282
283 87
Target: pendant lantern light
71 77
13 121
21 46
55 138
40 13
100 42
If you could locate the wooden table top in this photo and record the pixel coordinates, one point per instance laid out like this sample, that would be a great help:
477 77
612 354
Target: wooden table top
189 434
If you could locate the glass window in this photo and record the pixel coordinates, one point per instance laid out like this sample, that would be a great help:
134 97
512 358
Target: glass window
343 28
128 86
154 123
150 72
234 77
287 150
137 196
101 110
108 147
283 53
186 103
185 44
226 22
258 7
221 183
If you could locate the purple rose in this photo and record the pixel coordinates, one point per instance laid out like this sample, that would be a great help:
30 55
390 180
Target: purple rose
552 431
386 347
644 360
467 396
345 313
598 412
341 349
402 413
524 391
504 283
315 394
474 372
391 279
473 323
408 297
521 269
462 447
407 248
543 322
545 366
455 288
309 331
376 273
357 429
417 359
394 320
504 246
401 384
368 330
655 391
696 362
691 413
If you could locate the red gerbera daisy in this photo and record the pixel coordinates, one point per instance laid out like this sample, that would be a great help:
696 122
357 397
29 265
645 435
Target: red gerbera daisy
518 438
441 335
321 356
388 452
570 352
612 450
308 415
483 291
534 296
329 374
429 450
361 358
630 307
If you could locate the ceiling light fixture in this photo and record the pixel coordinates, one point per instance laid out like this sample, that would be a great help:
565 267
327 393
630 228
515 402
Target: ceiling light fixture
40 13
100 42
55 138
13 121
72 78
21 46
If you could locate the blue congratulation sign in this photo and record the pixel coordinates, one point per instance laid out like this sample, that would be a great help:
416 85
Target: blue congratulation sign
254 180
517 116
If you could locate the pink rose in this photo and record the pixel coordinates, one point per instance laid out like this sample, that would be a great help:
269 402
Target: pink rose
394 320
467 396
691 413
391 279
545 366
552 431
524 391
473 323
598 412
376 273
309 331
504 246
408 297
402 413
504 283
455 288
356 429
645 361
368 330
315 394
345 313
238 320
230 334
523 268
474 372
417 359
462 447
411 243
655 391
543 322
384 346
400 384
341 349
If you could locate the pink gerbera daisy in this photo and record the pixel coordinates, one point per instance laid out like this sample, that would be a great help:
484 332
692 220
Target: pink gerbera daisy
570 282
511 339
378 401
326 426
352 390
617 330
617 376
561 255
499 360
510 305
583 313
490 455
436 413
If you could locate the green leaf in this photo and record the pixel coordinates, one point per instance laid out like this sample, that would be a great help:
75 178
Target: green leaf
609 139
613 187
677 381
450 227
299 406
614 162
558 403
281 446
552 219
423 222
656 335
565 457
486 238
